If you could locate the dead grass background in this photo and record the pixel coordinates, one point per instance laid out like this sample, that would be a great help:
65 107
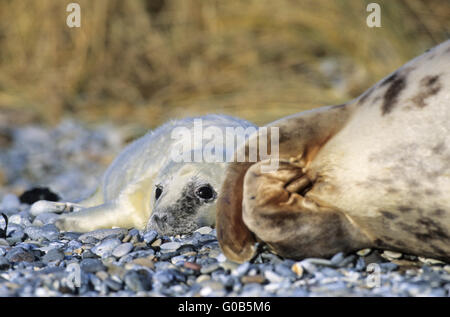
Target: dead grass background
144 61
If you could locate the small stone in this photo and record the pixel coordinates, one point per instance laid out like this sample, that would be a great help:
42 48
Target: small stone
106 247
138 281
87 254
272 277
170 246
364 252
337 258
4 263
297 268
348 260
92 265
192 266
45 218
285 271
203 278
19 255
112 284
4 242
156 243
122 249
209 268
52 256
101 234
392 254
150 236
430 261
10 202
147 262
229 266
102 275
246 279
241 269
204 230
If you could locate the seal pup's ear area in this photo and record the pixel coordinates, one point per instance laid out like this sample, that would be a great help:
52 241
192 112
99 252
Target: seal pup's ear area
236 241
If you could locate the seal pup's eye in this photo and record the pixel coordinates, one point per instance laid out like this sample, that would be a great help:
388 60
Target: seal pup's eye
158 192
205 192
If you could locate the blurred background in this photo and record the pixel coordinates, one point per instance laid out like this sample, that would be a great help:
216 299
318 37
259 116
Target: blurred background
138 63
144 61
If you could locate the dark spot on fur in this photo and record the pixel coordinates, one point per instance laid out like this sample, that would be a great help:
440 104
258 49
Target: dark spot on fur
433 230
397 84
404 209
439 148
439 212
388 215
431 86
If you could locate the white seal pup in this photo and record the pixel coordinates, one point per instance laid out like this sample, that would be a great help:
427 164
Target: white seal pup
371 173
157 182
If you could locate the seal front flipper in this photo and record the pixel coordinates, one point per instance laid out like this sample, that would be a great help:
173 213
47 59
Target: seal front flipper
277 209
301 137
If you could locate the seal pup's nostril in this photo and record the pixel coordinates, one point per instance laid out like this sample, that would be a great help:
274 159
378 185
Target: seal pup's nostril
160 220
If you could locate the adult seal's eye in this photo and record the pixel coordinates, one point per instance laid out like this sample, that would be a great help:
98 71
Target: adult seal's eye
205 192
158 192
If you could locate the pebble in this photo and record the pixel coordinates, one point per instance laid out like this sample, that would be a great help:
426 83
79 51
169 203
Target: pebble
37 260
272 277
209 268
150 236
19 255
297 268
101 234
364 252
170 246
204 230
392 254
246 279
157 243
92 265
122 249
52 256
106 247
4 263
10 202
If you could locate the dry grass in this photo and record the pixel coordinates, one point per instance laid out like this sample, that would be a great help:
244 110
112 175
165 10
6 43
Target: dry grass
145 61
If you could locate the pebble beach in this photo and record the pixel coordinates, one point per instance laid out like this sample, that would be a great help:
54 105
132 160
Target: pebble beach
36 259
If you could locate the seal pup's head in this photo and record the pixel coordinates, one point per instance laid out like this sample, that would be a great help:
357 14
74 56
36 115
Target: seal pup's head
184 197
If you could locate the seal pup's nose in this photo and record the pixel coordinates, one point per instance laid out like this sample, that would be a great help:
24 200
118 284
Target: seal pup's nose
160 221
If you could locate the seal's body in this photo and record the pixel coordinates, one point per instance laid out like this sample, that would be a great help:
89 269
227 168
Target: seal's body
374 172
147 179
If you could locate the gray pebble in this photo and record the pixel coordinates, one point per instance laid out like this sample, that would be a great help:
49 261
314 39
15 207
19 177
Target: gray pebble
18 254
4 263
337 258
150 236
138 281
52 256
45 218
101 234
169 246
106 247
122 249
92 265
112 284
209 268
10 202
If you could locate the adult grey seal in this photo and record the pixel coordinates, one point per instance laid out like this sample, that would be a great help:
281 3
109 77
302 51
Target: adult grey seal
147 186
374 172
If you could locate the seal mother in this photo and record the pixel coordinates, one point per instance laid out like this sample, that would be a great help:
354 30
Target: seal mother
374 172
